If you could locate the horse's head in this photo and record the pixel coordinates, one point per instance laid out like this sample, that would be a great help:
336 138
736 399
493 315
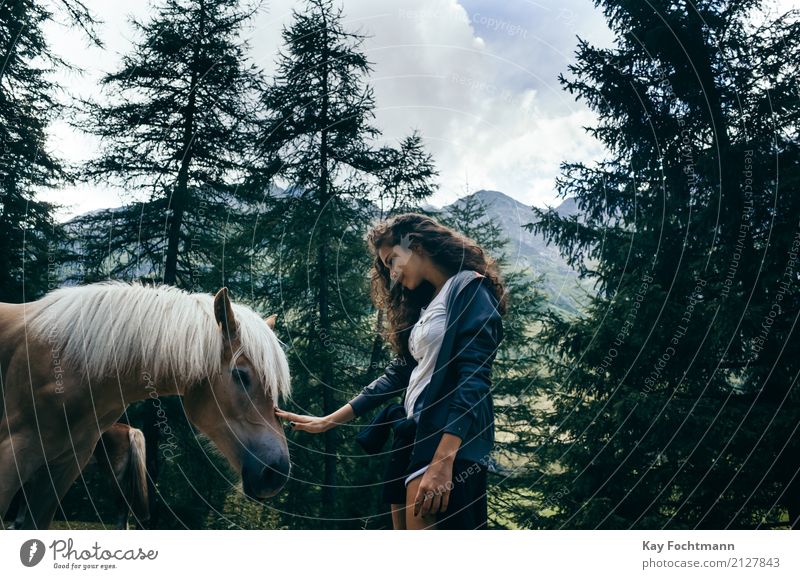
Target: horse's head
238 412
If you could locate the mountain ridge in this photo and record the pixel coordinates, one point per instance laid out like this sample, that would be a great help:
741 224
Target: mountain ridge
528 251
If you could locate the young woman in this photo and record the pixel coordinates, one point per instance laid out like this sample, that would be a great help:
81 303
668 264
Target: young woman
444 301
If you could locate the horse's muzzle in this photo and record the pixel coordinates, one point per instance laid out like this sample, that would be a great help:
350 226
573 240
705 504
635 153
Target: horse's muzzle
262 479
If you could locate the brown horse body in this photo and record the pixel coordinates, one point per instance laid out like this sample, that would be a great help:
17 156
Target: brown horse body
120 457
71 363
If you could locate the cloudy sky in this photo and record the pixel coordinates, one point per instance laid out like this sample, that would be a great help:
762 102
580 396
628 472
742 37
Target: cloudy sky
477 78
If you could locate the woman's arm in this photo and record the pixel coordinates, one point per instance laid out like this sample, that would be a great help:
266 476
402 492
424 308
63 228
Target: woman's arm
317 424
392 382
478 337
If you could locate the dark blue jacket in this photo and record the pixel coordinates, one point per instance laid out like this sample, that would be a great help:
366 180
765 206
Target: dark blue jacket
458 398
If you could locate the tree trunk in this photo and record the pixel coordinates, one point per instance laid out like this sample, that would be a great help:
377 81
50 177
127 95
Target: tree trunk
181 192
15 32
328 402
177 204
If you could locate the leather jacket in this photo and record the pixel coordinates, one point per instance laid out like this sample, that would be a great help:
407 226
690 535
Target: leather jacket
458 397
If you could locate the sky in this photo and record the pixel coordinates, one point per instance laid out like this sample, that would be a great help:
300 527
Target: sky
476 78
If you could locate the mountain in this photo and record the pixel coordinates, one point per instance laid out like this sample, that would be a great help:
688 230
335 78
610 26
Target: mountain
527 251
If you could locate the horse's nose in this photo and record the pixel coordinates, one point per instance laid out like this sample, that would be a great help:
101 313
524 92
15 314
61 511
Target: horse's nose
262 478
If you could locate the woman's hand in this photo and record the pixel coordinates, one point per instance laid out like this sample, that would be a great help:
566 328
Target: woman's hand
433 492
312 424
434 489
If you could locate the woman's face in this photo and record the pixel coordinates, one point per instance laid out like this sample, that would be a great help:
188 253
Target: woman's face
405 266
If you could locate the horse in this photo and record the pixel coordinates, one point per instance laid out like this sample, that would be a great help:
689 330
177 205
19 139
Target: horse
72 361
120 457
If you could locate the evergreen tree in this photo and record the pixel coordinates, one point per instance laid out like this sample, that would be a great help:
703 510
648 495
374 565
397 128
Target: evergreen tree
177 127
32 241
674 398
404 175
319 139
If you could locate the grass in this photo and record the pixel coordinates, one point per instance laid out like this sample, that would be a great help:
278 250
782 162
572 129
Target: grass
77 526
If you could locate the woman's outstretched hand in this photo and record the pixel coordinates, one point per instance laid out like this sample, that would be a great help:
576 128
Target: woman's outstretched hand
312 424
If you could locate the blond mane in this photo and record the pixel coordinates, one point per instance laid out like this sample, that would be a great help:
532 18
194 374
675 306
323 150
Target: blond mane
110 328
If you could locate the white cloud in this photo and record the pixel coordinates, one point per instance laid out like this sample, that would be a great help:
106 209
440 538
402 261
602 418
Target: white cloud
475 90
433 71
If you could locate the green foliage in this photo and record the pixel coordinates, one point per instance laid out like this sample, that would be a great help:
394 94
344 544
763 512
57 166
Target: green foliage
178 128
31 240
672 398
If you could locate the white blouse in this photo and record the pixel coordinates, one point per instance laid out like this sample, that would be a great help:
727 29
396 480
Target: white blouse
425 341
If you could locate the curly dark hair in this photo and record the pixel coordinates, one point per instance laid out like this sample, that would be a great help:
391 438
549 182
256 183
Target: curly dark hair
450 250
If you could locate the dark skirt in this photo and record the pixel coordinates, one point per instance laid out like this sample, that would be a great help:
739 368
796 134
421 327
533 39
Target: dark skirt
394 488
466 508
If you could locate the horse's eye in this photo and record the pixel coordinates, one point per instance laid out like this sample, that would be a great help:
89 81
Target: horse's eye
241 377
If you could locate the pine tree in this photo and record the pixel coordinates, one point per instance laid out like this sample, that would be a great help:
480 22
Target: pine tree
318 138
404 175
32 241
177 127
674 398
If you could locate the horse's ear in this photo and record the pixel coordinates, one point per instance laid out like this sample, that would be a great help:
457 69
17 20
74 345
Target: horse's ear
223 312
271 321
